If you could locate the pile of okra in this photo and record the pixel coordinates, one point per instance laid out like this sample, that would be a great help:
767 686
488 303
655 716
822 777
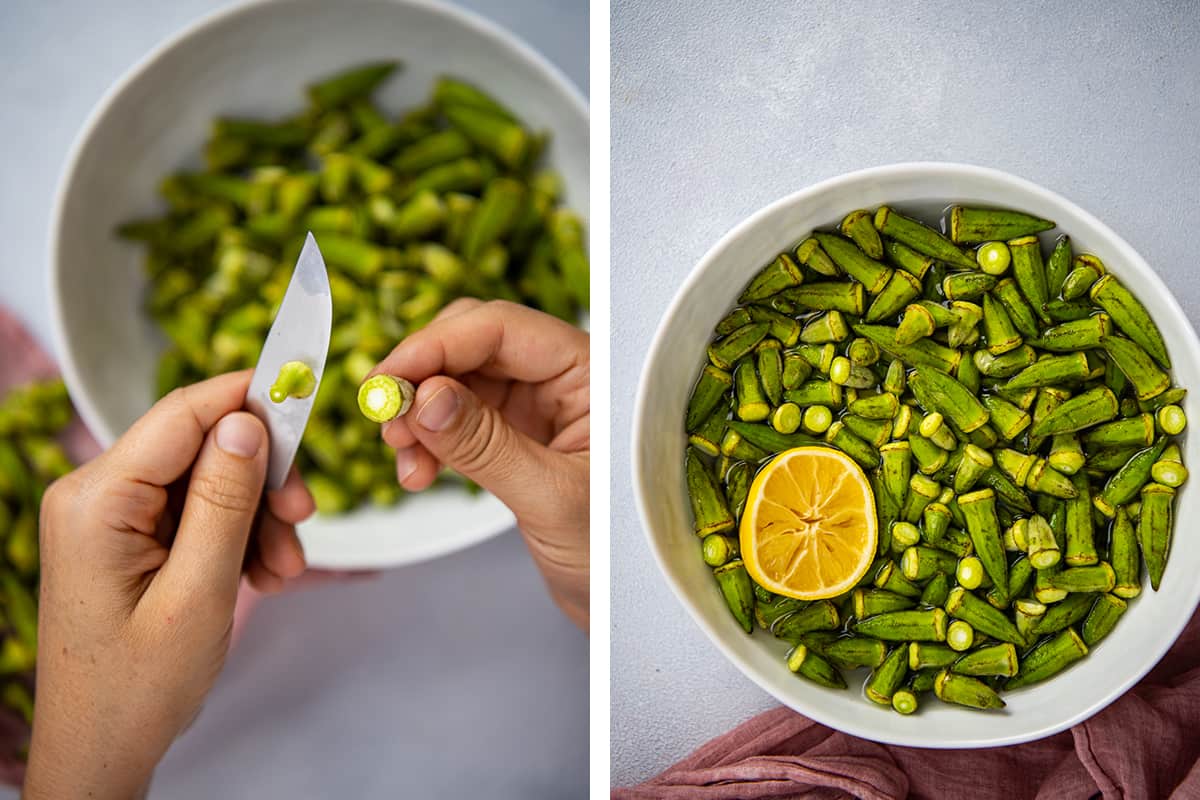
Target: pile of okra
31 417
410 213
1012 405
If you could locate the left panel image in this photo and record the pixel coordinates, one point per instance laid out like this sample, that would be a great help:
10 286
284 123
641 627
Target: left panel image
293 345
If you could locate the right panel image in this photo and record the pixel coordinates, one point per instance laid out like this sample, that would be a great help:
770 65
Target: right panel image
902 371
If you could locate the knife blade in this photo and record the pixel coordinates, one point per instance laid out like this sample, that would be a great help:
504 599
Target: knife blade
300 332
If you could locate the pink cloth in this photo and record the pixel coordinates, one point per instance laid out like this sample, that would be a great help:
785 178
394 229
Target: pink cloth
1145 746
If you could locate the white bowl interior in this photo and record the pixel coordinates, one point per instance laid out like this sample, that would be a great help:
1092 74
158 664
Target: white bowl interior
255 60
1143 635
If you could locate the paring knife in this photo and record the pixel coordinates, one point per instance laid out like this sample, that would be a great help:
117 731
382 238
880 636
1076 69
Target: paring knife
300 332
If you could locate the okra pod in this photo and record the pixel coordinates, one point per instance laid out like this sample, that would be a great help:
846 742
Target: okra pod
806 663
900 290
1018 309
965 691
810 254
890 578
795 370
993 258
769 439
1007 365
738 591
782 327
975 461
888 677
1131 432
786 418
1051 371
1086 269
1130 316
1042 546
993 660
1066 454
936 590
819 616
709 509
1171 419
1124 484
921 492
1098 577
1082 334
1008 492
936 521
960 636
817 419
876 406
925 655
1080 547
967 285
1169 469
1102 618
981 616
969 573
1049 658
717 550
953 400
908 259
1136 364
707 394
752 404
842 438
1058 265
998 328
869 602
921 563
828 327
872 274
921 238
1008 420
857 227
1154 529
732 348
852 652
923 353
1030 272
780 274
905 626
1084 410
979 509
968 225
916 323
875 432
1124 557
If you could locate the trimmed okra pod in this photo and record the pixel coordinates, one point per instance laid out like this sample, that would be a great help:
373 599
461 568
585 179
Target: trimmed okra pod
382 398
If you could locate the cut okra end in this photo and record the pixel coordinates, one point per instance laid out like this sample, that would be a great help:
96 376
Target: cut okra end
382 398
295 380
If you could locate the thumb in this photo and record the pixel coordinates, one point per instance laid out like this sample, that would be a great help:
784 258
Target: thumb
476 440
222 501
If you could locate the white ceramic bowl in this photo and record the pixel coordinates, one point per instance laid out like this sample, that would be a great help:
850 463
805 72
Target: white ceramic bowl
255 59
1145 632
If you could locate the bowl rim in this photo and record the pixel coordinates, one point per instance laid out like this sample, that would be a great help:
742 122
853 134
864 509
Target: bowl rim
641 486
66 360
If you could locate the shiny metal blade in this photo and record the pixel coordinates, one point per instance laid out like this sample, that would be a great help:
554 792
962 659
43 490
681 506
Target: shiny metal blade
300 333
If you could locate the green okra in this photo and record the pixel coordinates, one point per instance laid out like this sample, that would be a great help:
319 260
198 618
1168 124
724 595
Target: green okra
1018 309
1125 484
999 330
1102 618
1154 529
780 274
737 589
819 616
795 370
1080 547
908 259
1169 469
905 626
1058 265
732 348
1098 577
963 330
1124 557
1042 546
967 285
708 436
717 550
1171 419
949 397
751 404
808 664
709 508
737 487
1137 366
896 458
980 615
861 451
916 324
1172 396
983 526
922 563
815 392
969 225
819 356
844 373
1066 454
936 522
1086 269
810 254
782 327
993 660
1020 573
904 536
934 428
1130 316
1051 371
769 609
1137 431
936 590
926 655
921 238
1008 420
966 691
870 602
890 578
1006 365
786 418
352 84
707 394
904 701
888 677
1049 658
975 462
1030 272
901 288
735 446
858 228
875 432
922 491
1084 410
828 327
1083 334
883 406
735 319
851 652
769 439
993 258
960 636
872 274
923 353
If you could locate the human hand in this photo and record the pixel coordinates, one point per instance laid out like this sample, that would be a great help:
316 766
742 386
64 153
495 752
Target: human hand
142 552
503 399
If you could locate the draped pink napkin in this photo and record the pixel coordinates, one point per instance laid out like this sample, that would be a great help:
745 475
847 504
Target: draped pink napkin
1145 746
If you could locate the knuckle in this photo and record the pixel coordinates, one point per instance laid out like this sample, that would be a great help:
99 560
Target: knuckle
224 491
486 447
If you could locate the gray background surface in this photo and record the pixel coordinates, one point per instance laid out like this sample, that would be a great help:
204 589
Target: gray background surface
721 108
449 679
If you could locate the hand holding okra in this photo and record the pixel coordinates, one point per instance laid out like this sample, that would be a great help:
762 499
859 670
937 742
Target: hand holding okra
143 550
502 398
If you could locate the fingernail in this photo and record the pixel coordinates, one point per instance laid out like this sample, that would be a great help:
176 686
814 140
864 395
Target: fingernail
239 435
406 463
439 410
